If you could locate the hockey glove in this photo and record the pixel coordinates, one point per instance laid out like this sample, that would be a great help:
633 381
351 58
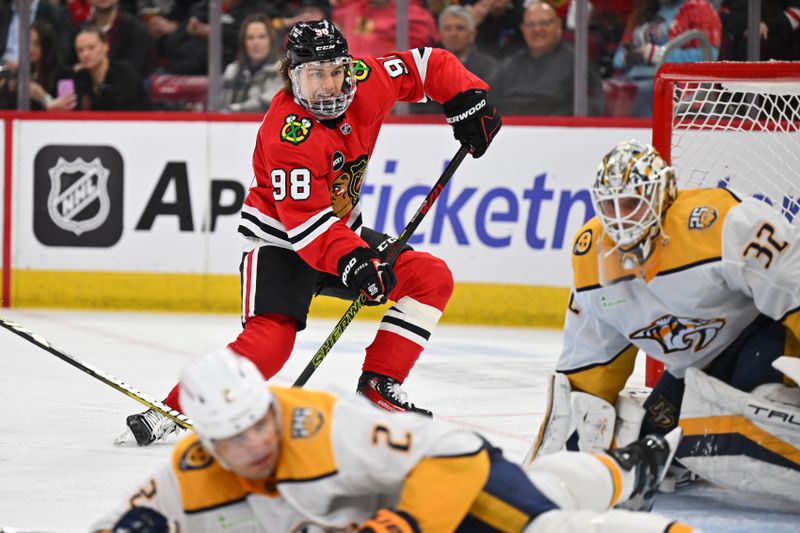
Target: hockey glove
474 119
389 521
362 269
144 520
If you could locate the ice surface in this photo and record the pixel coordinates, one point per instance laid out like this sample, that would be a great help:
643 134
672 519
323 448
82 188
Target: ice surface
59 470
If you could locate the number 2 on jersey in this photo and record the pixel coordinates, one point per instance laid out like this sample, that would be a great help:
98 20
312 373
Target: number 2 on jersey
297 188
383 435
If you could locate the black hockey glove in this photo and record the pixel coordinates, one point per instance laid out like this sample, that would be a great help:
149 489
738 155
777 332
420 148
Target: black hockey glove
363 269
474 119
144 520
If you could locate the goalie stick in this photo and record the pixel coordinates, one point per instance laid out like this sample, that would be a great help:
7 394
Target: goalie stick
397 247
96 373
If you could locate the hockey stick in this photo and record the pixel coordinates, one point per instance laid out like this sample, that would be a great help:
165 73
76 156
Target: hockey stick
397 247
96 373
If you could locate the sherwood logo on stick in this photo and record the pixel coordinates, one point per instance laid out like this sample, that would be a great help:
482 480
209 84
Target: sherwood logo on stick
77 195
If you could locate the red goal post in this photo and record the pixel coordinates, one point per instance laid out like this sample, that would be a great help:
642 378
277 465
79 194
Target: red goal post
736 125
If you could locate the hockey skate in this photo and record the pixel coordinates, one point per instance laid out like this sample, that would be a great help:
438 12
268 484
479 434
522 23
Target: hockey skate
147 427
386 393
649 458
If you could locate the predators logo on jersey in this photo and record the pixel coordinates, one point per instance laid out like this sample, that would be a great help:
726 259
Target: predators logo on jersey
702 217
306 422
295 130
583 243
195 457
676 333
347 186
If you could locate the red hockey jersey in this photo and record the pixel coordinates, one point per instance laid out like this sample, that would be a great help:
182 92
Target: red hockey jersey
309 174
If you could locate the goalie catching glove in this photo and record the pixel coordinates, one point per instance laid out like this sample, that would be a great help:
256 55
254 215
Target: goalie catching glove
389 521
363 269
474 119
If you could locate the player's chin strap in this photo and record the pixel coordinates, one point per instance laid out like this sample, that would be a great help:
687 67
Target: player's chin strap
100 375
397 247
749 442
598 423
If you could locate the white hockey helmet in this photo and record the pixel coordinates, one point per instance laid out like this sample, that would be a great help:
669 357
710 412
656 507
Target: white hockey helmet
633 189
224 394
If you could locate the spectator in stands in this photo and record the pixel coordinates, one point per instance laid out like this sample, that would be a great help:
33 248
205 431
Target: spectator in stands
370 25
250 82
497 23
779 30
186 48
127 36
55 14
102 84
457 28
301 11
539 80
651 28
46 70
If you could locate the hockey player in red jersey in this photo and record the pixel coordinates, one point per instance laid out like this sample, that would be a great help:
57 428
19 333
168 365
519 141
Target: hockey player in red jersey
302 222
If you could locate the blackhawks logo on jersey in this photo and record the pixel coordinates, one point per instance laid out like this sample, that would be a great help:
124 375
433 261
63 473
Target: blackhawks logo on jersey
677 333
360 70
295 130
347 186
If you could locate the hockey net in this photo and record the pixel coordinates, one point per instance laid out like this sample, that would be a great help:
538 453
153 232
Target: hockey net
733 125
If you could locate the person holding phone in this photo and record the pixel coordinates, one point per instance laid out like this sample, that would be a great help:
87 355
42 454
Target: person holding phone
47 71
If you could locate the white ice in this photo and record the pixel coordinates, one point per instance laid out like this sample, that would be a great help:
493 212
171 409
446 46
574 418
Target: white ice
59 469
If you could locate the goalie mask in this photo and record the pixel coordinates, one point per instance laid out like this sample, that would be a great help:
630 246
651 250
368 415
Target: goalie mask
320 69
631 194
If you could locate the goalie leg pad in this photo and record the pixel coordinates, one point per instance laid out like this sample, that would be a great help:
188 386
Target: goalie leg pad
595 419
557 422
740 440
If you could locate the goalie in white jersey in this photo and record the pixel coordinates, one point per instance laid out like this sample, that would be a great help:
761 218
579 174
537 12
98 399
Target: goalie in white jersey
277 459
707 283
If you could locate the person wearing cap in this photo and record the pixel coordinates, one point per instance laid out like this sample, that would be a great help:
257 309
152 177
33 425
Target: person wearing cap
268 458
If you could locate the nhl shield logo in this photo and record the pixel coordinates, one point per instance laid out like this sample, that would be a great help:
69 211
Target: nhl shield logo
66 201
77 194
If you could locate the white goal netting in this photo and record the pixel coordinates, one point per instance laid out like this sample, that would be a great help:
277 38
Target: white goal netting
743 135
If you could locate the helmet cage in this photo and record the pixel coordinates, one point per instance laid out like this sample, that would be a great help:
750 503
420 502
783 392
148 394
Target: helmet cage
325 107
632 191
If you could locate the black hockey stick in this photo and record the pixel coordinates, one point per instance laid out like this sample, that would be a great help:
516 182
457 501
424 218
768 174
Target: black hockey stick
397 247
96 373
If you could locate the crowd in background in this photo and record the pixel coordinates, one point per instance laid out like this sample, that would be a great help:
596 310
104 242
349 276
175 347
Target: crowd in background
121 54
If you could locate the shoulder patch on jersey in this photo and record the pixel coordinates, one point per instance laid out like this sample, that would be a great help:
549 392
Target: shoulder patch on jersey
295 130
195 457
702 217
678 333
360 70
306 422
583 243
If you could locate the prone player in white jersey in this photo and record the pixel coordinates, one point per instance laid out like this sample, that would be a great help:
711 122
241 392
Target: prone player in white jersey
277 459
704 281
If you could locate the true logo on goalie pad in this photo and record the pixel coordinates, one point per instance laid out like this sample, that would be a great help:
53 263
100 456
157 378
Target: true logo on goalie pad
78 196
306 422
677 333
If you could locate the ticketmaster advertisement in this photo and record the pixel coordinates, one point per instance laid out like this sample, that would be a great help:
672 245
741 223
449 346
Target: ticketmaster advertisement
131 205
